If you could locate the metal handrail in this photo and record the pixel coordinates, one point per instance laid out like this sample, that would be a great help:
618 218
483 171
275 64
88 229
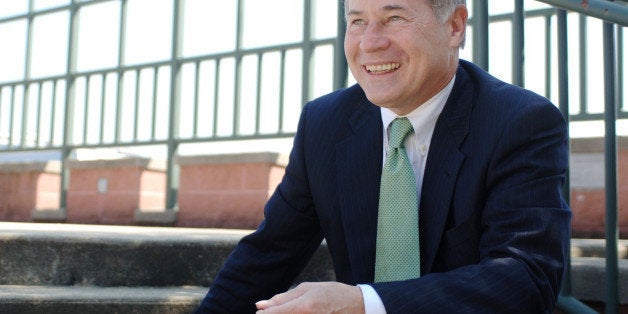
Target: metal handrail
609 11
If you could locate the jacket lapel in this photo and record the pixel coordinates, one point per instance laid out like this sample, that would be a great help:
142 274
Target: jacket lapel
359 161
442 167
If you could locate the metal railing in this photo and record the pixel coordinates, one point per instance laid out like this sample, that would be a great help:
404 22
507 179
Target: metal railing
166 103
610 12
141 104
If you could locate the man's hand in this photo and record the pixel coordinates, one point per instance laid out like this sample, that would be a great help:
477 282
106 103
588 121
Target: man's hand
315 297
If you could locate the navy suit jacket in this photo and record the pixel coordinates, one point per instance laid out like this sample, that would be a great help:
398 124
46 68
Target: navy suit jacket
494 228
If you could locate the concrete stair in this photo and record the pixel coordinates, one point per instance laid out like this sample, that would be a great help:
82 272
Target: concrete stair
89 299
63 268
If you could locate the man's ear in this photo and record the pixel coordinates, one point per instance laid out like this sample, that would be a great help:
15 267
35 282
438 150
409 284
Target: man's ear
458 22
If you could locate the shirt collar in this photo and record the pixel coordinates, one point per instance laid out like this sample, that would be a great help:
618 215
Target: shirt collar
425 115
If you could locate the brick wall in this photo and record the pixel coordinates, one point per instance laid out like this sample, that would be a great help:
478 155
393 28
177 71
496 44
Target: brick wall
230 190
25 186
227 190
109 191
588 199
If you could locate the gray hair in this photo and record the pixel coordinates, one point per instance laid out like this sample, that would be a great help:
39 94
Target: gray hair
444 8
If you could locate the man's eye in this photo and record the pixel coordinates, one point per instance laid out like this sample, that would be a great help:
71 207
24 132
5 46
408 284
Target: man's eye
358 22
394 18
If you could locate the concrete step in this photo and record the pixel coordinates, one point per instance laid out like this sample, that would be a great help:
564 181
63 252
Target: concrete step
588 279
63 268
110 256
596 248
95 300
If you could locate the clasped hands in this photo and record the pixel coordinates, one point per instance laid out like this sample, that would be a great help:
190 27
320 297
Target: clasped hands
315 297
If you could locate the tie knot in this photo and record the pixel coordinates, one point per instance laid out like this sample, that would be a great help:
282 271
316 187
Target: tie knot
399 129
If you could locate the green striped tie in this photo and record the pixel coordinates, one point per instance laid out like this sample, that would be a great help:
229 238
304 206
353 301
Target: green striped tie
397 250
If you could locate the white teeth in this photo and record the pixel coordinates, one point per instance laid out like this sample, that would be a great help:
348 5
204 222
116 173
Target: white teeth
382 67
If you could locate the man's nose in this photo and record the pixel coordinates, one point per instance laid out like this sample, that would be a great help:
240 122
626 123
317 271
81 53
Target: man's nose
373 38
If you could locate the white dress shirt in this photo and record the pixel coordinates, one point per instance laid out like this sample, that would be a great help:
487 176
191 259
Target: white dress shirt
423 120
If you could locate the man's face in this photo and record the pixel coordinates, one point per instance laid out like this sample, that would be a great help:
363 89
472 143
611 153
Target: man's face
399 53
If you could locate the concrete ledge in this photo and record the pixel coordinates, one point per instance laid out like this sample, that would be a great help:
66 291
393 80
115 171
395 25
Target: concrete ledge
166 217
108 234
79 299
241 158
596 248
48 215
140 162
51 166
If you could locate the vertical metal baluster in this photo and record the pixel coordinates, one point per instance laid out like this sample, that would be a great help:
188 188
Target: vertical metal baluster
136 107
307 55
216 97
237 90
584 70
38 116
103 103
86 109
548 57
172 172
518 44
282 90
11 116
610 117
197 91
154 117
53 114
480 34
258 95
341 70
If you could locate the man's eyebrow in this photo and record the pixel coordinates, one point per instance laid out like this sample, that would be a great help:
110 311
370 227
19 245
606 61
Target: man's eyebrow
388 7
393 7
353 12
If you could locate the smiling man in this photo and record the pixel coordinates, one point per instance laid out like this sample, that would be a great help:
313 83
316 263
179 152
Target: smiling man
436 186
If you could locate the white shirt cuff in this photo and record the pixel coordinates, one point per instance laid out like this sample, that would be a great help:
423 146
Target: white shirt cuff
372 302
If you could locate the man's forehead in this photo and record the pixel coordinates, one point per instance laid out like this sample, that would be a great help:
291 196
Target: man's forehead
346 2
385 7
383 4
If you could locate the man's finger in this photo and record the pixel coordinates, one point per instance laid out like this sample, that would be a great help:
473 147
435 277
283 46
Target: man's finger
280 298
263 304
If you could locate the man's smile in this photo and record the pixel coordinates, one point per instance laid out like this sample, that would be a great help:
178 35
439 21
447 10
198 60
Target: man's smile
382 68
